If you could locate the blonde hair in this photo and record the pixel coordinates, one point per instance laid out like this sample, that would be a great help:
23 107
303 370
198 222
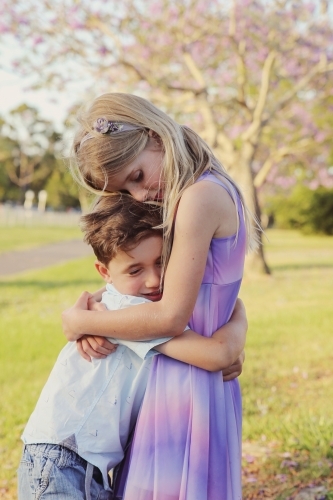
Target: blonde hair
186 156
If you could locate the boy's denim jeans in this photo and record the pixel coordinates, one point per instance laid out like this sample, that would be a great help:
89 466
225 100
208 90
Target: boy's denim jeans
53 471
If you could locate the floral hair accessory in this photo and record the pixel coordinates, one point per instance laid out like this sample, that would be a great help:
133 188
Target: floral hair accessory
104 126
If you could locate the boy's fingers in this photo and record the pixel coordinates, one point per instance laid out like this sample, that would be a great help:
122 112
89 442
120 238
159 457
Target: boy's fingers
98 347
235 369
104 344
93 305
88 349
100 344
82 301
239 308
81 351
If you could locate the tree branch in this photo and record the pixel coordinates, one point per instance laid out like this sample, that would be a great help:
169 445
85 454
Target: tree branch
194 70
301 146
256 124
321 67
269 162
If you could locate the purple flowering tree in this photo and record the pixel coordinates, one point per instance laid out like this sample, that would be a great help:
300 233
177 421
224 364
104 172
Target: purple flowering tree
254 78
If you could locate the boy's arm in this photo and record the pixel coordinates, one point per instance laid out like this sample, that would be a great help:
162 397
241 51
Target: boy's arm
215 353
235 370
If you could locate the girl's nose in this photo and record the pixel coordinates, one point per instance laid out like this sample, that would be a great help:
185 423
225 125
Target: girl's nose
139 194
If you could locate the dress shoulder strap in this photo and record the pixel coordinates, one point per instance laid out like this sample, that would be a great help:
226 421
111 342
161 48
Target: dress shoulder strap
233 193
212 177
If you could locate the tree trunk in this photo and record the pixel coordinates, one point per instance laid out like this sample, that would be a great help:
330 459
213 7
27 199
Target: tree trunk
255 262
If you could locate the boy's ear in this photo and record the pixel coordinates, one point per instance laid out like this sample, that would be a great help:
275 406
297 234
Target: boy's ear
103 271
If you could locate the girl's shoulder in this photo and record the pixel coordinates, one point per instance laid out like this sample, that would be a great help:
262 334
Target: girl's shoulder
208 201
211 190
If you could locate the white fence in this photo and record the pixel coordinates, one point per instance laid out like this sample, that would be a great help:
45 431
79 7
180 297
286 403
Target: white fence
19 216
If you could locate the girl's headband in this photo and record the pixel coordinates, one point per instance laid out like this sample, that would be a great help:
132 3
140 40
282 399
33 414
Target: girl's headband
104 126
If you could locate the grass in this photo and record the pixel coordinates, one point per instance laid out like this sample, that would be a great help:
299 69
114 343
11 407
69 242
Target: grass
25 237
31 338
287 380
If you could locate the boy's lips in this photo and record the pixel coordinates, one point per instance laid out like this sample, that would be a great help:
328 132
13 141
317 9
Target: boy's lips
154 296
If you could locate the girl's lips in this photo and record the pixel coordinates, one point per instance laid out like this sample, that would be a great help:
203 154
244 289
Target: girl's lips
159 196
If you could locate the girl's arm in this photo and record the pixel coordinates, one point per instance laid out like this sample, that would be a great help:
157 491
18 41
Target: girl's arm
205 210
213 354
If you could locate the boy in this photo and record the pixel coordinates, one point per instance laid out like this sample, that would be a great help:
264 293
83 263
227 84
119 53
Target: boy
80 426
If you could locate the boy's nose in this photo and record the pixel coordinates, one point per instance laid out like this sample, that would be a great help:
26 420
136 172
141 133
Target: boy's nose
153 279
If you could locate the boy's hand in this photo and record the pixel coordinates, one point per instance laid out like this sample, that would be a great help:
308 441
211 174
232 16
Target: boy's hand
235 369
92 346
93 305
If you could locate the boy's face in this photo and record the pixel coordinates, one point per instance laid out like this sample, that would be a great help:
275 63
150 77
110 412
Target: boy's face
137 271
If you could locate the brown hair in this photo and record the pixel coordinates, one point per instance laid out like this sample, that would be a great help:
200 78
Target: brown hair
118 222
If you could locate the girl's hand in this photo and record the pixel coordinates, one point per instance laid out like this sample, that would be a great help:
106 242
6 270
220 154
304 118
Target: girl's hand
70 317
92 346
235 369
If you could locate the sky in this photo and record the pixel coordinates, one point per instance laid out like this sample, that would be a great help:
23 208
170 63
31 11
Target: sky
53 105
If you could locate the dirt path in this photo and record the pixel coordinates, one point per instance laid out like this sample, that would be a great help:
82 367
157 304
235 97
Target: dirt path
36 258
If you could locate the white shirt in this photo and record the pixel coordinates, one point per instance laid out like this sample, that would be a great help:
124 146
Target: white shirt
92 407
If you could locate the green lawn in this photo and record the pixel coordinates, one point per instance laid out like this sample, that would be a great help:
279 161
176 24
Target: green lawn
288 377
287 380
24 237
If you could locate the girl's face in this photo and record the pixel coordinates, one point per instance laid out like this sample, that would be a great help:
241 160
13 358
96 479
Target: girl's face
142 178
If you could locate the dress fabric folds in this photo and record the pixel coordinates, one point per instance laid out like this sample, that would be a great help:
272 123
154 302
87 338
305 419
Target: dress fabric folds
187 441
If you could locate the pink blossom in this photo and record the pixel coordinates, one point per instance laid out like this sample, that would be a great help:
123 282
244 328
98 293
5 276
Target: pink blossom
289 464
251 479
4 28
281 477
103 50
37 40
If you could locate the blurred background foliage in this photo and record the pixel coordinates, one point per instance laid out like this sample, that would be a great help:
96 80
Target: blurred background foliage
310 210
253 77
31 158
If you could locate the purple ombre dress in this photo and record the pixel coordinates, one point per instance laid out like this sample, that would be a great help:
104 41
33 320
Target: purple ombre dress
187 441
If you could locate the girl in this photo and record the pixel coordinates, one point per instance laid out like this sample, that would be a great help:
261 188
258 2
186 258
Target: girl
187 442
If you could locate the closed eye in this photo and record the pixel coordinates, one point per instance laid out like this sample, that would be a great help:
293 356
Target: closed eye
138 177
134 272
